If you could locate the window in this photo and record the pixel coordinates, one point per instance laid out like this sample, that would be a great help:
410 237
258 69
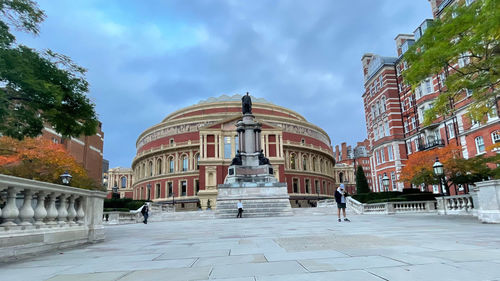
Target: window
196 186
197 159
158 167
384 108
150 168
479 144
171 141
413 123
464 59
379 110
382 154
416 144
428 86
292 161
304 163
227 147
171 165
316 185
468 2
442 79
295 186
495 136
406 126
124 182
374 114
308 187
387 131
183 188
377 153
381 186
390 153
184 163
158 190
170 189
451 130
468 93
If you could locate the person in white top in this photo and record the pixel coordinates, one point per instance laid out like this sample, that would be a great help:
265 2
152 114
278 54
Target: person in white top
240 209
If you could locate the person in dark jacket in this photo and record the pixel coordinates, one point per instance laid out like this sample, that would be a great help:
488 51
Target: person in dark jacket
145 213
340 195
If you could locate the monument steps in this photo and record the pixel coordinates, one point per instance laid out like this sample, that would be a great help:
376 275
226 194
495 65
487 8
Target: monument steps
254 208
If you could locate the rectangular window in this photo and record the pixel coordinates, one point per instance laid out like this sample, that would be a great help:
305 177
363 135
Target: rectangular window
196 186
393 180
183 188
406 126
451 130
387 131
170 189
171 165
316 185
382 154
479 145
227 147
390 153
378 156
428 86
495 136
416 145
308 189
295 186
158 190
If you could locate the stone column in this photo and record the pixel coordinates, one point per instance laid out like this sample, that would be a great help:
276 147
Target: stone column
62 211
71 210
26 213
51 209
80 214
40 211
280 137
216 146
10 210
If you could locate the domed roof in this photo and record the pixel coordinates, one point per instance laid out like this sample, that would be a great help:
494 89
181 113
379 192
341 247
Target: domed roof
234 97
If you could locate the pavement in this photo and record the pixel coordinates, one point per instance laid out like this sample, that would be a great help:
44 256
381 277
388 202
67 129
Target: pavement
311 245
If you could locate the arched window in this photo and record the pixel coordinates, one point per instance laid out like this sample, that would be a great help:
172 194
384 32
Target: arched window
304 163
379 110
197 161
374 113
314 164
341 177
144 170
184 163
158 167
321 166
383 105
150 168
171 165
292 161
124 182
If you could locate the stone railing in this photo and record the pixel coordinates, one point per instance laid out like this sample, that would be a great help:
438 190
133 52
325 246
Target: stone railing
410 207
38 216
456 205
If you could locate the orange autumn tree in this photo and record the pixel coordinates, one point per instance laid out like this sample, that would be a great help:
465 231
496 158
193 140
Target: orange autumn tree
418 169
41 159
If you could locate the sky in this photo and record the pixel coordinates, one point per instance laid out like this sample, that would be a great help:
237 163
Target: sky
146 59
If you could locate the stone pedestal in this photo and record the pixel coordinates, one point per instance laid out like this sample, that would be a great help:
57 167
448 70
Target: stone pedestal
488 199
208 195
258 199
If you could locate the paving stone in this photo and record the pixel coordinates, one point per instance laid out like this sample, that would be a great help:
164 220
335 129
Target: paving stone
171 274
230 260
315 265
102 276
354 275
256 269
287 256
428 272
30 274
193 254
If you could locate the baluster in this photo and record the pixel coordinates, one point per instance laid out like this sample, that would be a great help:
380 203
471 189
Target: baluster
80 214
463 205
63 210
26 213
448 203
51 209
71 210
469 203
40 211
10 210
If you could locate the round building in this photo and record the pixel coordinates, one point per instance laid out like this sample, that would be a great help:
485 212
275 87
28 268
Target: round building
182 159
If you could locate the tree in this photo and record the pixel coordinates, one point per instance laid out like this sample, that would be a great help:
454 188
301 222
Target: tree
361 182
38 88
41 159
468 35
418 169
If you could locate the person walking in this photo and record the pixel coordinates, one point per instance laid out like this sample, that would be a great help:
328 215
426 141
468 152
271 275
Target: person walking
340 195
239 205
145 213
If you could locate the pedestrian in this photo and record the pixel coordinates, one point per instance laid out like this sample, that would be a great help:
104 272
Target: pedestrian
145 213
340 195
240 209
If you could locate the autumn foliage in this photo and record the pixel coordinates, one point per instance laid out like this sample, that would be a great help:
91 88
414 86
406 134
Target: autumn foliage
418 168
41 159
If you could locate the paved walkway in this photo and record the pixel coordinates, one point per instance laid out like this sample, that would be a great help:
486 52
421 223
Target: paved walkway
311 245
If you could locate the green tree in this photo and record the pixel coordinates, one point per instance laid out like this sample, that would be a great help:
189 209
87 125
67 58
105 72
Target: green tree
471 35
38 88
361 182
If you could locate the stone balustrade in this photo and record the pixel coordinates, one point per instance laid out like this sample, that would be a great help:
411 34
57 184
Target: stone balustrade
38 216
410 207
456 205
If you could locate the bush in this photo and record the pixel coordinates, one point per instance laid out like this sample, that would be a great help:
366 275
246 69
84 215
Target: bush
422 196
394 196
116 210
396 199
124 203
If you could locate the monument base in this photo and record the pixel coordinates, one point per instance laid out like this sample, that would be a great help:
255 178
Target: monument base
264 199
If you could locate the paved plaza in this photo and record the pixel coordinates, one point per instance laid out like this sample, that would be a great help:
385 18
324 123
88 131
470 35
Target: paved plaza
311 245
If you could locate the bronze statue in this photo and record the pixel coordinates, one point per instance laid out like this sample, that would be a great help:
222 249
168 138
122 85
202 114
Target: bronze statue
237 159
262 159
246 104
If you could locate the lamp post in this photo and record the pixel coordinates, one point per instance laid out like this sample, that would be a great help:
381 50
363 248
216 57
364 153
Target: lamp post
317 192
149 191
439 172
385 182
66 178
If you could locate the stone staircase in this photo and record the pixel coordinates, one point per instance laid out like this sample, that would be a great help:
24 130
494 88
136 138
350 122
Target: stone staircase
252 208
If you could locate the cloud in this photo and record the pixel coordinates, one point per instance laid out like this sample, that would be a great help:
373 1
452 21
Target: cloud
147 59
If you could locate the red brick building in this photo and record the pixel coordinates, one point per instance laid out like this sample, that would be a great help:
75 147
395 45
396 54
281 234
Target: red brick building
394 113
87 150
347 160
187 155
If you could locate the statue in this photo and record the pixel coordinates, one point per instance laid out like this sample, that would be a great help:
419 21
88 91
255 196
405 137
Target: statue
262 159
237 159
246 104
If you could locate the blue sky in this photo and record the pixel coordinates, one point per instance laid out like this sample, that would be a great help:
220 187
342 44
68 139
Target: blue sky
146 59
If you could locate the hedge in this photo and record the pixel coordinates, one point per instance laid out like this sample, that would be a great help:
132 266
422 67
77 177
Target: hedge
124 203
116 210
394 196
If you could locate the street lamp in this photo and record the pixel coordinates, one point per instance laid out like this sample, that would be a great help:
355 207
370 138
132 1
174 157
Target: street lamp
115 193
385 182
66 178
439 172
149 191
